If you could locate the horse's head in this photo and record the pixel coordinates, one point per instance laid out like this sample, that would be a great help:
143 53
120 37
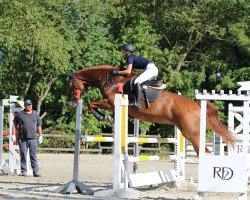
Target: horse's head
75 88
97 76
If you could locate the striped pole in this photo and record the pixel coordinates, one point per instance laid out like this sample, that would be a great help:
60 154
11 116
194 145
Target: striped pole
97 139
150 158
152 140
136 140
180 152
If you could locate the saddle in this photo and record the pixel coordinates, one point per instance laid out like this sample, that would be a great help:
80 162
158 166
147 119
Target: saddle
149 93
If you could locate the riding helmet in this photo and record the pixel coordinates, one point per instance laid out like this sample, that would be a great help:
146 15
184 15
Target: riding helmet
127 47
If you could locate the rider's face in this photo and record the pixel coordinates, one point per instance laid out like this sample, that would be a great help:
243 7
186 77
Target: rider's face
124 53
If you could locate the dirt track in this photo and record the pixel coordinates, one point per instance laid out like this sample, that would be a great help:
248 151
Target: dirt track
96 171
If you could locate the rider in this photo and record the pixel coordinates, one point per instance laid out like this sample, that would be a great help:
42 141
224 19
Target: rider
137 62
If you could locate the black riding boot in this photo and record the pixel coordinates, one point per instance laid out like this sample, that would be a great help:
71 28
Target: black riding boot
137 88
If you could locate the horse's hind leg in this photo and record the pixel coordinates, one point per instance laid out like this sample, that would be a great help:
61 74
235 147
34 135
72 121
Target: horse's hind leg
190 130
207 150
196 145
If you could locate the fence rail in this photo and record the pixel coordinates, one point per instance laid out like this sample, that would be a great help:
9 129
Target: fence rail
103 147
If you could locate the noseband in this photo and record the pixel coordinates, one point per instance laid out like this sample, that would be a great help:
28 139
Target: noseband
73 93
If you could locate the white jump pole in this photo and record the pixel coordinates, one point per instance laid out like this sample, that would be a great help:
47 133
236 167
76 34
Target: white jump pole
3 168
12 165
120 184
69 187
1 136
121 147
14 157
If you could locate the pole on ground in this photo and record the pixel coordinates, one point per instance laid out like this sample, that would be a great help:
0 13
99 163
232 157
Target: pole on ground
69 187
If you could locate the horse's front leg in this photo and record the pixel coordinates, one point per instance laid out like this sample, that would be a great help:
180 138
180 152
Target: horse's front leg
104 104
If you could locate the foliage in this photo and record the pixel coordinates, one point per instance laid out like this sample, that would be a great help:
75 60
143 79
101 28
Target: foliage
190 41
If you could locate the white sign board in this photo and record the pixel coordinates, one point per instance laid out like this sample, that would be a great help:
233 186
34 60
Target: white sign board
222 174
245 85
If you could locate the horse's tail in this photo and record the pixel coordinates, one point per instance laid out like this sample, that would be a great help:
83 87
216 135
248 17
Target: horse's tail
214 123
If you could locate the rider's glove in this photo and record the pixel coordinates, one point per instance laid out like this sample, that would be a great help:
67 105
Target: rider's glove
114 72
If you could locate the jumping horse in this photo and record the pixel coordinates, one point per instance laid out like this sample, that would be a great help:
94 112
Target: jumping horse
169 108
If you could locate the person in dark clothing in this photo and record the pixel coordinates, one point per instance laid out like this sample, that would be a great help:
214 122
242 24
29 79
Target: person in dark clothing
137 62
28 123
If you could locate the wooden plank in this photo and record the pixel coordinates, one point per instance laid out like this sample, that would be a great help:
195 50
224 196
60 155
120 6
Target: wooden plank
151 178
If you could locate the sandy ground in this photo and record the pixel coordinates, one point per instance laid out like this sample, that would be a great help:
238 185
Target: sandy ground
96 171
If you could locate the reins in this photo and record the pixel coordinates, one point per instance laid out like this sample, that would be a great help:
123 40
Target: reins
106 82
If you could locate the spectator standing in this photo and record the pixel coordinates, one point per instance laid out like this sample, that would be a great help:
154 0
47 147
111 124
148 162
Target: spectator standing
28 123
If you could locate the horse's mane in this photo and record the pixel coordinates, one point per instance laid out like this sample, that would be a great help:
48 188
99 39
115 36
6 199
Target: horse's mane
99 67
103 67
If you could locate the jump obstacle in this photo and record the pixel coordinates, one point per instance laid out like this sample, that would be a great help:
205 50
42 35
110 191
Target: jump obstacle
158 177
221 173
69 187
235 114
123 180
235 124
12 165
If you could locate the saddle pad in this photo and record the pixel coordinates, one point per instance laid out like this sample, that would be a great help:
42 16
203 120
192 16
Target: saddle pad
151 93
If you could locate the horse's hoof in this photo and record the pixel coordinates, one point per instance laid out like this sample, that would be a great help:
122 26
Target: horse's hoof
108 119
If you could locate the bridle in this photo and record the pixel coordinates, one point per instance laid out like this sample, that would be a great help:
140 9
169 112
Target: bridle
106 84
72 87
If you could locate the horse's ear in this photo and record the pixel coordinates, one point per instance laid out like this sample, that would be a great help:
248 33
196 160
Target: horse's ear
70 74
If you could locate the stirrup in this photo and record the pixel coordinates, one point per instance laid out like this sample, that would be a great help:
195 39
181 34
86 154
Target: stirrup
136 105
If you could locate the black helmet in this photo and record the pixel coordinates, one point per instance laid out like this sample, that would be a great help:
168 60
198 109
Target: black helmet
128 47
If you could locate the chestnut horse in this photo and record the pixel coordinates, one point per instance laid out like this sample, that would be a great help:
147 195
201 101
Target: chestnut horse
169 108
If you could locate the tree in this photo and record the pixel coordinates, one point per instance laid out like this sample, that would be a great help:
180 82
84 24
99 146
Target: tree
189 40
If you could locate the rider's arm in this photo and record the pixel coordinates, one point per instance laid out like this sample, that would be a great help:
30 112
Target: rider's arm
126 71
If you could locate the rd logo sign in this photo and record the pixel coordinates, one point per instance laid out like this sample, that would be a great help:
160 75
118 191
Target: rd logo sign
222 174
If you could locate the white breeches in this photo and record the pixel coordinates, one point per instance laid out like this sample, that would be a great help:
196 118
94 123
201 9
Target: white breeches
150 73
